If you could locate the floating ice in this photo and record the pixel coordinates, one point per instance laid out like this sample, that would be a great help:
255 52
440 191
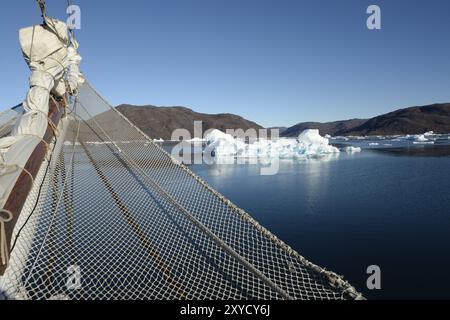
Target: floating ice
196 140
308 145
353 149
223 144
373 144
341 138
69 144
420 138
423 142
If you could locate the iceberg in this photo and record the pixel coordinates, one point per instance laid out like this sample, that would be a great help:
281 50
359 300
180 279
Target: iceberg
223 144
341 138
420 138
309 144
352 149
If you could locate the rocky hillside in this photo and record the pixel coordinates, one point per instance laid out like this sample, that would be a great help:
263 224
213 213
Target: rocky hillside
160 122
415 120
331 128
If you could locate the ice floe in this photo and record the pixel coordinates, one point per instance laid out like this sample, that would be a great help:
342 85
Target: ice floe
423 142
309 144
352 149
420 138
197 140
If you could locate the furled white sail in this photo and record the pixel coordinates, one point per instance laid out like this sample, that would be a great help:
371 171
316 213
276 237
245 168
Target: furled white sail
54 64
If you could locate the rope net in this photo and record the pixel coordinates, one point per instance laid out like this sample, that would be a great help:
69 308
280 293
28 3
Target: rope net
113 216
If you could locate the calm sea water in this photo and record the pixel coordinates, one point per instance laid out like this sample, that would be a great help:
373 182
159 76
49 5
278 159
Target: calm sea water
387 206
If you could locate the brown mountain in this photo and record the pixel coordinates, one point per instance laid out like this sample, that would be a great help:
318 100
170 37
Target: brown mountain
415 120
160 122
330 128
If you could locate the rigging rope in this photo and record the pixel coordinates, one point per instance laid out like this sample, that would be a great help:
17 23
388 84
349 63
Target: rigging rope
41 4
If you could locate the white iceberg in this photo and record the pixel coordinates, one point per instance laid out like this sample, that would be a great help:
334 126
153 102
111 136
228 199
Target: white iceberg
196 140
223 144
352 149
340 138
308 145
420 138
373 144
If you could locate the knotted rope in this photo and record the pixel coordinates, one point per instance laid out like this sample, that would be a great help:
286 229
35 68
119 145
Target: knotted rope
4 252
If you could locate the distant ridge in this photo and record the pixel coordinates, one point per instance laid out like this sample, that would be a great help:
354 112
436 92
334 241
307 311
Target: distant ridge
160 122
415 120
331 128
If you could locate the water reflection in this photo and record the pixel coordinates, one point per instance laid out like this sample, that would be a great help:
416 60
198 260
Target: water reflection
315 180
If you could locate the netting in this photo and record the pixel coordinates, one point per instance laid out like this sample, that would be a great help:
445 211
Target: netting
113 216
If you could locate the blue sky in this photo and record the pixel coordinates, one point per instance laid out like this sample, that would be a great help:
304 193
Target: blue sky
277 62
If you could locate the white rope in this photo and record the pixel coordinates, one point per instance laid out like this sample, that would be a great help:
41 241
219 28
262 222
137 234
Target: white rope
4 252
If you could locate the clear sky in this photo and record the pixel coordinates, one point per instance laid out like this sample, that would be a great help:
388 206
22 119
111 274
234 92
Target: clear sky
277 62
